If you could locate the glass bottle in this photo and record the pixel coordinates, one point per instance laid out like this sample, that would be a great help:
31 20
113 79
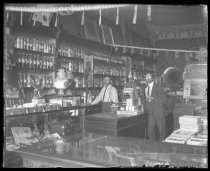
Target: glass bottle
27 44
34 45
37 46
44 63
37 61
31 44
40 62
19 62
21 42
23 60
34 65
26 60
30 65
17 45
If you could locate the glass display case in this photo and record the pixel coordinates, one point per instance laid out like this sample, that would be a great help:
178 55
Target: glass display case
97 150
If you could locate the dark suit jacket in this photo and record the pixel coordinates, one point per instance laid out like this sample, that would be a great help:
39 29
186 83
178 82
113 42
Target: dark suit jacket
156 106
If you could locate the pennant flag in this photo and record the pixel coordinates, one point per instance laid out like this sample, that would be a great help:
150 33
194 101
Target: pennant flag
157 52
42 17
148 52
7 16
176 54
56 20
149 12
99 18
21 18
141 51
135 14
117 18
83 17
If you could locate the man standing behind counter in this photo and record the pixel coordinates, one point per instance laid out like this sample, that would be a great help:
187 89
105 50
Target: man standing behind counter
155 100
108 93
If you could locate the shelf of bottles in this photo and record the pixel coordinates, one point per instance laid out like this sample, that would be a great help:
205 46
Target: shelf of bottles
28 79
34 53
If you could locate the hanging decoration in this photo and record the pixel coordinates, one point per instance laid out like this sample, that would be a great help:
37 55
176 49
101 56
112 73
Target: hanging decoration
64 10
99 17
21 18
148 52
149 12
42 17
135 14
56 20
117 17
141 51
83 18
176 54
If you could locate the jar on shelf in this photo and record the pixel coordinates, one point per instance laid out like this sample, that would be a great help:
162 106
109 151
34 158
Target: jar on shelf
61 81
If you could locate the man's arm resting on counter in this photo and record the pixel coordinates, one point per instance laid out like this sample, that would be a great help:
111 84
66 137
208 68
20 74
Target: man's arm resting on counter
98 98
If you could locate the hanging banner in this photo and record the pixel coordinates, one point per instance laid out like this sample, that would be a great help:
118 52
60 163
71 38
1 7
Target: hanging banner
100 17
56 20
176 54
149 12
117 17
135 14
42 17
21 18
83 18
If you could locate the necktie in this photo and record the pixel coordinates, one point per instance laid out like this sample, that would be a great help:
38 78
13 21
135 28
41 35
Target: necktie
104 94
148 91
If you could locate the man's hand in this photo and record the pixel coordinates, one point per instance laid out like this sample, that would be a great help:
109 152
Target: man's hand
149 98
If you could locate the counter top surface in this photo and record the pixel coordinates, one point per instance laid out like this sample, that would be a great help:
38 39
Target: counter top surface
103 150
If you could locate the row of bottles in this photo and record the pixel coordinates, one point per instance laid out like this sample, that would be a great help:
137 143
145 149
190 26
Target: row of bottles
101 70
35 61
28 80
80 82
116 71
73 66
23 42
68 51
98 82
13 102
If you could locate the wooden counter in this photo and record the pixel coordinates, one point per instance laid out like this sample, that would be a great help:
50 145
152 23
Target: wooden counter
117 125
97 150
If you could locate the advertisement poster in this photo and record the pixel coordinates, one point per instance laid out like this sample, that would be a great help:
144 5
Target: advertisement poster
88 66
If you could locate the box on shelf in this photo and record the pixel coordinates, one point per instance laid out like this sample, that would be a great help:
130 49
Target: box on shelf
38 101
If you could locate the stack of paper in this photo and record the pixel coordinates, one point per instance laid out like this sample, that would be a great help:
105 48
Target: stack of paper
199 139
179 136
190 123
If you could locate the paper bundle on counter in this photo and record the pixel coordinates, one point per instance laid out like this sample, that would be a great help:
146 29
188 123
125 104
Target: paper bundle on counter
179 136
191 123
199 139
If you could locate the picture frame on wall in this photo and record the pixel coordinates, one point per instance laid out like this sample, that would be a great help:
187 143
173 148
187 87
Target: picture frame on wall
107 35
91 30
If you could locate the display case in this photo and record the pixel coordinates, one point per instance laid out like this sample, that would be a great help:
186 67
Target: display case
99 150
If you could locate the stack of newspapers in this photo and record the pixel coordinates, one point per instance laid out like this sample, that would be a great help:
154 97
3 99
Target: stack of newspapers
189 125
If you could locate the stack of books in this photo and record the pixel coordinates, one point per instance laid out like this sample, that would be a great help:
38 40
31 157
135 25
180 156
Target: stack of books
190 123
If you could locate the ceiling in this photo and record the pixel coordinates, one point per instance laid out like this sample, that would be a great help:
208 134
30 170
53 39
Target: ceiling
161 15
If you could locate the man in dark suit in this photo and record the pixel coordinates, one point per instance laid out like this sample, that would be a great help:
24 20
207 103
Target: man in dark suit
154 105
